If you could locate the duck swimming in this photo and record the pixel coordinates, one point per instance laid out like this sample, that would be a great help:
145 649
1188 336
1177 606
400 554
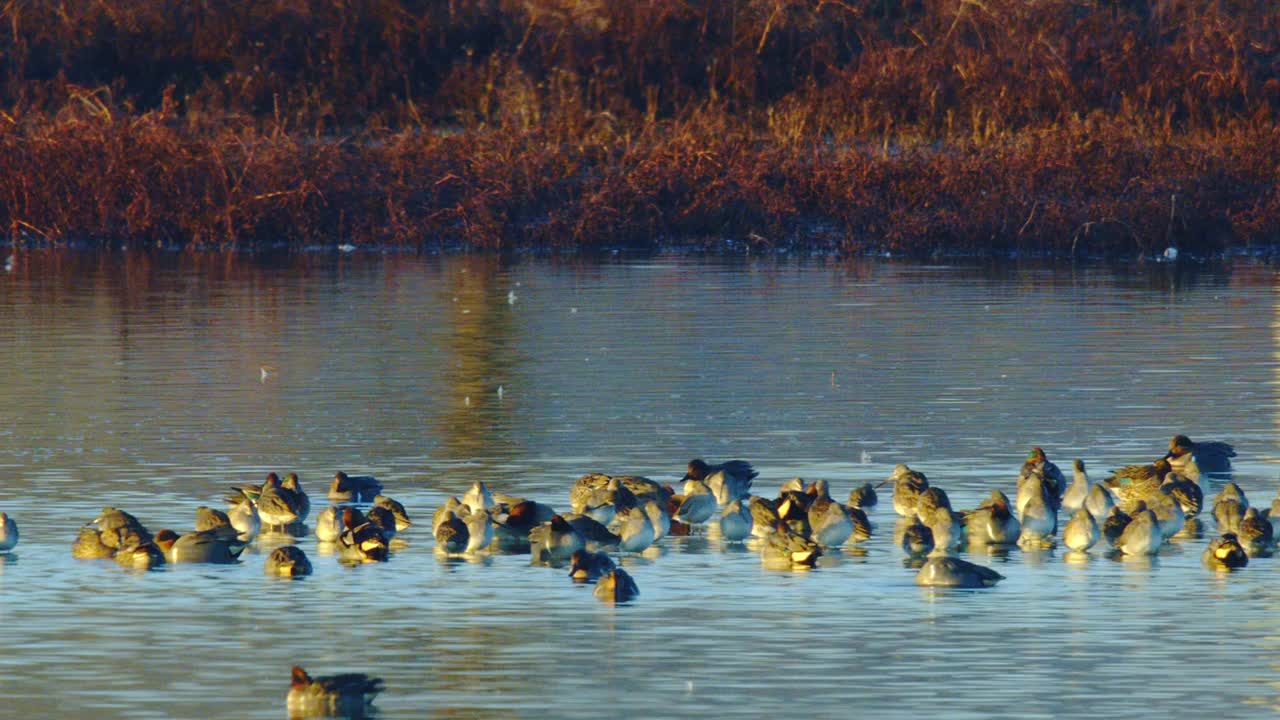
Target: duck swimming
587 566
728 480
556 540
787 548
952 572
1193 459
907 486
616 586
342 695
1038 465
1078 490
736 521
1081 532
287 561
8 533
203 546
353 488
863 496
992 522
1225 553
397 511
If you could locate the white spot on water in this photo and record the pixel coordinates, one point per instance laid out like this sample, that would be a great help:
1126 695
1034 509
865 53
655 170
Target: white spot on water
511 297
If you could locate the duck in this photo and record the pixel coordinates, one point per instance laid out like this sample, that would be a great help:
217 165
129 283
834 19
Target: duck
513 523
88 545
344 695
634 529
793 509
202 546
360 541
1036 486
1099 502
1142 535
1225 553
329 525
1168 514
788 548
1255 533
829 521
384 520
862 528
736 521
953 572
452 534
278 506
697 503
479 530
1232 491
292 483
1133 483
1078 490
1193 459
764 516
478 497
915 538
863 496
353 488
8 533
397 511
1039 520
208 518
992 522
1186 493
616 586
603 503
1114 524
1038 465
143 556
116 525
1081 531
593 531
1228 512
252 492
619 491
729 480
450 505
556 540
907 486
933 507
287 561
656 511
243 516
587 566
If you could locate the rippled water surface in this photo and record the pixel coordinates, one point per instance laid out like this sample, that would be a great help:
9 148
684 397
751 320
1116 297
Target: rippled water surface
152 384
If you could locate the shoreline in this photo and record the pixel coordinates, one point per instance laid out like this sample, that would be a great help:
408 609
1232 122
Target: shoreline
1072 192
857 127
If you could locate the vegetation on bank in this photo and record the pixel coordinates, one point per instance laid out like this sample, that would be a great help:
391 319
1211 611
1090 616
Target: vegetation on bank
1059 126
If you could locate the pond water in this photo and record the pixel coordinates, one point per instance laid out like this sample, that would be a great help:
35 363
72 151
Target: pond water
152 383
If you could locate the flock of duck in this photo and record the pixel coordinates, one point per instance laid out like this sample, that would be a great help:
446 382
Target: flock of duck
1134 511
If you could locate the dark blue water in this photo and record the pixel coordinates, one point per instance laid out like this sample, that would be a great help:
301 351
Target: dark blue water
152 384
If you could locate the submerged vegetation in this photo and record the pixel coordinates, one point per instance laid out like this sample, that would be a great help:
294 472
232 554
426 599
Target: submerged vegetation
1056 126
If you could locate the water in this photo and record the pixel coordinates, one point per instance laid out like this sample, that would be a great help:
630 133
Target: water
153 383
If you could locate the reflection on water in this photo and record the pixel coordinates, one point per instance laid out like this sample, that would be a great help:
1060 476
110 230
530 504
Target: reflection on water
137 381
